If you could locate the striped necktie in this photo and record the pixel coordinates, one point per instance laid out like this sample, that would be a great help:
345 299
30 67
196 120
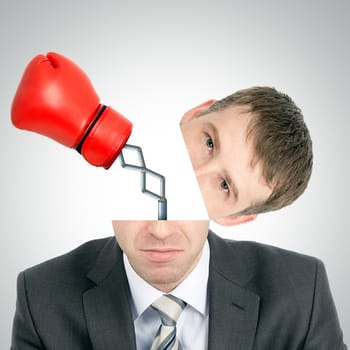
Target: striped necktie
169 308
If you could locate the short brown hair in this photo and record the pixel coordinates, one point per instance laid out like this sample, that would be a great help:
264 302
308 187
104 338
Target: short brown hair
281 140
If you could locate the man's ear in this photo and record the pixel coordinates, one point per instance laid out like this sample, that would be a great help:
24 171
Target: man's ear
192 113
235 220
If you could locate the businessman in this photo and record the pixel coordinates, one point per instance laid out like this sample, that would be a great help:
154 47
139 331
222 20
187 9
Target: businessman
108 293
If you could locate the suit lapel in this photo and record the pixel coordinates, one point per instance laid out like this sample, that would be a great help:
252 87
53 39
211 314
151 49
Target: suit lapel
107 304
233 310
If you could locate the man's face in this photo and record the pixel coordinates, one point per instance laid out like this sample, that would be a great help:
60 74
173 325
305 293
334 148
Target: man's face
162 252
221 157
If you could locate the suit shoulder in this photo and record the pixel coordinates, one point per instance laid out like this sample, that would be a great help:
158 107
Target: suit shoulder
263 258
276 254
72 264
272 251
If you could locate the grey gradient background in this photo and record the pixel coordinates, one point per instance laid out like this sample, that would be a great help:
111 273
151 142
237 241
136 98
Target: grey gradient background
153 60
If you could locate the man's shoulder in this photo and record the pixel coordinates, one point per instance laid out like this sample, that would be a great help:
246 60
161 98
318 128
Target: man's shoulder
259 259
72 265
50 295
260 250
266 252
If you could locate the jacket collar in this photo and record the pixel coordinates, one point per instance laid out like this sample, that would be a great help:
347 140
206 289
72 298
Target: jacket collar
233 309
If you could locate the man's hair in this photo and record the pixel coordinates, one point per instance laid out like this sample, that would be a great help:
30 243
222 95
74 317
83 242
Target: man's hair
281 141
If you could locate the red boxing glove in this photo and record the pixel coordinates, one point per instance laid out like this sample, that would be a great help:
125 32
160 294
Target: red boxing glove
55 98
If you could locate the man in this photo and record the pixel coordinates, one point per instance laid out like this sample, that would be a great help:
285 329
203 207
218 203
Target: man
234 295
250 296
251 152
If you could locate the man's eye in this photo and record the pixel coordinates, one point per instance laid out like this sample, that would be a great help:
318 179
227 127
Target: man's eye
224 186
209 143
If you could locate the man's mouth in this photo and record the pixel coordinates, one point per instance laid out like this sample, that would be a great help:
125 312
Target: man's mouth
161 255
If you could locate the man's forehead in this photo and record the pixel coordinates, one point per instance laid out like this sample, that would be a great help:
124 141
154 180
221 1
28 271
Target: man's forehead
230 121
232 110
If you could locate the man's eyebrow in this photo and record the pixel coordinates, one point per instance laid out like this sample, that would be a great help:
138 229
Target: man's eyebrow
227 176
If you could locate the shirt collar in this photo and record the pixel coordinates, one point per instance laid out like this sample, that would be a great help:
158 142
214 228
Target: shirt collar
192 290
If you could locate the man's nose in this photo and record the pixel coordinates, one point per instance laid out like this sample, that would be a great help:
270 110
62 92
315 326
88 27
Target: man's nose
161 229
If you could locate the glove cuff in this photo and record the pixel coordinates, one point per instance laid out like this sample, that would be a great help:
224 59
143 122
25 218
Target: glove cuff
105 138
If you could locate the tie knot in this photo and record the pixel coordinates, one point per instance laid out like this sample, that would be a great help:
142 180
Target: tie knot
169 308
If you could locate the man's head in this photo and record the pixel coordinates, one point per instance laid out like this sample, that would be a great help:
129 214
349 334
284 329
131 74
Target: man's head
251 153
162 252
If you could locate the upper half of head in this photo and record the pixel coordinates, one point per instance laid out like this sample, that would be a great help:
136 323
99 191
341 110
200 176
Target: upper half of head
251 152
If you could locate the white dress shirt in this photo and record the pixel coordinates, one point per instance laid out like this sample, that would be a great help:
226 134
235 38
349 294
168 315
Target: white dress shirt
192 325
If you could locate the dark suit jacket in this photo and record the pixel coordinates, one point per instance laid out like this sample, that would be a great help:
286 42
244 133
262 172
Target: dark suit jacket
260 297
